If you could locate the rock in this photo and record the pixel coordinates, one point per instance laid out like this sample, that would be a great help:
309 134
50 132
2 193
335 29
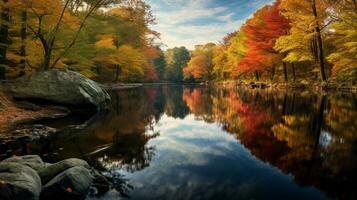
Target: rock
73 183
60 86
27 106
32 161
19 182
100 183
34 132
53 170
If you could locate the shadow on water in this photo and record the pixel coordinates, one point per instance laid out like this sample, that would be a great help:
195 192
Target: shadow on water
171 142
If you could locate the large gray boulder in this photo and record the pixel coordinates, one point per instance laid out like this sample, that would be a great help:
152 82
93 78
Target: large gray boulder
19 182
53 170
62 87
32 161
73 183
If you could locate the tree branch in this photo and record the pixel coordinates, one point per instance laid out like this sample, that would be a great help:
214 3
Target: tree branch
55 30
91 10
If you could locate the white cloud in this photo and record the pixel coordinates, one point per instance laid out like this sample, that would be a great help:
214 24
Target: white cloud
191 22
190 35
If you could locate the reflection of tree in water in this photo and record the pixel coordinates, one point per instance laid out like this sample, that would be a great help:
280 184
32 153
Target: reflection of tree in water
322 146
199 102
129 152
314 138
175 107
128 129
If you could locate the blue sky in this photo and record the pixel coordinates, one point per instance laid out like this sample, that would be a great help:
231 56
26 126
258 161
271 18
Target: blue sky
191 22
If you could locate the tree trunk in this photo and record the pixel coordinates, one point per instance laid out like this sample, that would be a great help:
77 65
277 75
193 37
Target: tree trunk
47 59
314 50
285 72
293 69
319 42
23 40
272 74
257 75
4 37
117 73
117 67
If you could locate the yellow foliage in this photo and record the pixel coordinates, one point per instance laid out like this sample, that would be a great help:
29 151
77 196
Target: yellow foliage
131 61
344 34
105 41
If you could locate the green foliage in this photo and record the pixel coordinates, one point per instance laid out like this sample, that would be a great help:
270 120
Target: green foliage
160 65
180 57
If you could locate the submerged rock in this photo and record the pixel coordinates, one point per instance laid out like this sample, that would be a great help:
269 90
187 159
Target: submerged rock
62 87
19 182
101 184
53 170
74 183
34 132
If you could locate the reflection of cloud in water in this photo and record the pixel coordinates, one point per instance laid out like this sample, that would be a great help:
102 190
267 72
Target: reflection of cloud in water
193 140
196 160
325 139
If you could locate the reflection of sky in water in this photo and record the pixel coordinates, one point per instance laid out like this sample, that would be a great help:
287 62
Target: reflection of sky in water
325 139
196 160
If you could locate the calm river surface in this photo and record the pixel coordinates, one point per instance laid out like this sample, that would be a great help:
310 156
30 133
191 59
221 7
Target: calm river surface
181 142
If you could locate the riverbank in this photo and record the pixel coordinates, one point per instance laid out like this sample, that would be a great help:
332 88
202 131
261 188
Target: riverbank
14 113
302 85
120 86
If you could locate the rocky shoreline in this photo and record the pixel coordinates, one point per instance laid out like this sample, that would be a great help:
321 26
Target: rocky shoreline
63 90
316 87
29 178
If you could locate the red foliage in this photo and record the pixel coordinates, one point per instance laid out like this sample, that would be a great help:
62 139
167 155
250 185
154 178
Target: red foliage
262 31
150 73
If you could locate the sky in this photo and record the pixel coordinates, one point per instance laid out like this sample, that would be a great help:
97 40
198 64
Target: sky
191 22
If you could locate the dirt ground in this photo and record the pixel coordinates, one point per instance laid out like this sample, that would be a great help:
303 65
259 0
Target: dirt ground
10 115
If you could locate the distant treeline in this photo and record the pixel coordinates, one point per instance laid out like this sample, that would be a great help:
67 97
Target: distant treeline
289 40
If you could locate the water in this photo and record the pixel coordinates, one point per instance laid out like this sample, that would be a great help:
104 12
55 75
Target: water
177 142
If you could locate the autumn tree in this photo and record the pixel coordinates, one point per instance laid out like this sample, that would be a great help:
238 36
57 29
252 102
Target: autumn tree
254 59
304 42
200 65
262 31
344 37
227 56
178 58
54 14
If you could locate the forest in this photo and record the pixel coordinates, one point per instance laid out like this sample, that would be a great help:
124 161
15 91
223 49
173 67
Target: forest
288 41
98 101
